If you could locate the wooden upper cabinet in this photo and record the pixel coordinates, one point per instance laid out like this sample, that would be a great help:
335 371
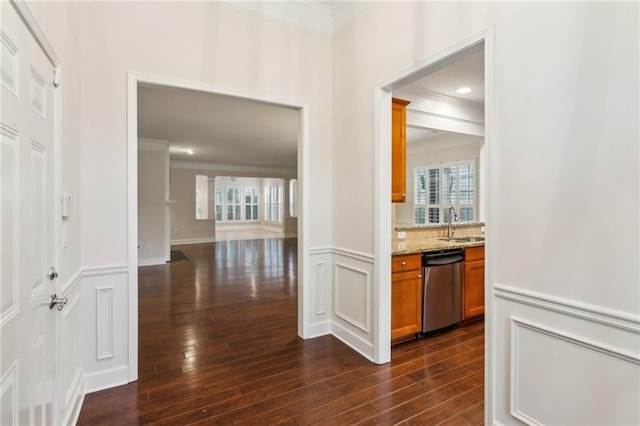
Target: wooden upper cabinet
398 150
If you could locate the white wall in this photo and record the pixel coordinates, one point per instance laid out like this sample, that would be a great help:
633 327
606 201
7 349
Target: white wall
440 149
562 227
153 192
208 44
185 229
60 23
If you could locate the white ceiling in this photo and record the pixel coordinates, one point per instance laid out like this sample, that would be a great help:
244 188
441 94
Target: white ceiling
467 71
219 129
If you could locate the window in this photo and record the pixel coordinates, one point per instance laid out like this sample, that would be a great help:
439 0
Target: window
251 204
219 204
293 198
438 187
235 204
273 203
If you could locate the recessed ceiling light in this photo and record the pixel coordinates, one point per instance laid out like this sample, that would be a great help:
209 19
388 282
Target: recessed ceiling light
464 90
189 151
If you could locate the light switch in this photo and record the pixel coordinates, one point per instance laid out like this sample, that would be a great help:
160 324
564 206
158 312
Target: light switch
402 235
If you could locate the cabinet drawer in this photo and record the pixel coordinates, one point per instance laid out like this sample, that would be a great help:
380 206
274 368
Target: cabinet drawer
406 262
474 253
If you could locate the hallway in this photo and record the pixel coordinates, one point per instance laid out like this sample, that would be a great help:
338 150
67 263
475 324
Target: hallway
218 345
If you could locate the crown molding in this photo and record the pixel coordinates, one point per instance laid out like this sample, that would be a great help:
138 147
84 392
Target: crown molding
235 169
306 14
418 94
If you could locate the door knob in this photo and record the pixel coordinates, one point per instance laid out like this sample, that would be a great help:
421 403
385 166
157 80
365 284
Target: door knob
59 301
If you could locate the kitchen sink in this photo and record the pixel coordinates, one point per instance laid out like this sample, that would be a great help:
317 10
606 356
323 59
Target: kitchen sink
464 239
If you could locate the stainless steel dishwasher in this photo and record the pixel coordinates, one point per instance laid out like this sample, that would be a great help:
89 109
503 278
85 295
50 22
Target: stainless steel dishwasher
442 291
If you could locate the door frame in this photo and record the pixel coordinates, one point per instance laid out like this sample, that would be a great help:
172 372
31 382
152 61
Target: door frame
382 241
133 80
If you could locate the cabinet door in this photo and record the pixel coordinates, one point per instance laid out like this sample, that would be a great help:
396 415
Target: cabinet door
406 305
398 150
473 289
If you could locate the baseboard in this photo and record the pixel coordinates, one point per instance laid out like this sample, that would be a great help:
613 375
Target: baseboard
72 414
151 262
193 241
106 379
352 340
318 329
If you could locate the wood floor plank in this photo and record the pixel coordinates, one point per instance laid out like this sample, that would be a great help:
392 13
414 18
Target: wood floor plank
218 344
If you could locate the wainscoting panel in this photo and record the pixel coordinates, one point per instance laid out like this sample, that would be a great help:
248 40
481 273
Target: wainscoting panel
352 295
564 362
319 292
104 309
352 290
570 378
104 323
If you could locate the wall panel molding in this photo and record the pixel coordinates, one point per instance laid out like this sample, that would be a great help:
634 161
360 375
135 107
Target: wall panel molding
583 311
320 277
540 355
353 254
351 294
97 271
104 323
320 250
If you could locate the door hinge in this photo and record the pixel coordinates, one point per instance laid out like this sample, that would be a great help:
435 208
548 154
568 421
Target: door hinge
53 274
57 75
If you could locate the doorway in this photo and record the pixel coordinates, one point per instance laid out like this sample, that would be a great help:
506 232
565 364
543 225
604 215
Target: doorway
301 168
482 42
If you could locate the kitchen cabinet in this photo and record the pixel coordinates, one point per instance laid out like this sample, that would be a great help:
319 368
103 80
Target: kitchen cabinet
406 297
473 287
398 150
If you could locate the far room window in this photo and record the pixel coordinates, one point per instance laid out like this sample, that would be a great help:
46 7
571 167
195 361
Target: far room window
234 206
293 198
273 203
251 204
437 187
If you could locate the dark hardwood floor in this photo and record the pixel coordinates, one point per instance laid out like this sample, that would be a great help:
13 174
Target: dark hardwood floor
218 344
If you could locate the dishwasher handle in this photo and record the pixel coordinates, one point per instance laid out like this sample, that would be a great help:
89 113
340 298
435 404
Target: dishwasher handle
443 261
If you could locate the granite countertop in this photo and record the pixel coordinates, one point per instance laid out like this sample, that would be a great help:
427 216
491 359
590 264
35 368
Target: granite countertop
417 245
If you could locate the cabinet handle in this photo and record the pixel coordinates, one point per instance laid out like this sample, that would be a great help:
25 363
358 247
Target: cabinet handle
404 195
419 276
404 263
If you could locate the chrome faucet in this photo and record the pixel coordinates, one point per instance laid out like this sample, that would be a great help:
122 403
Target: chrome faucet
452 217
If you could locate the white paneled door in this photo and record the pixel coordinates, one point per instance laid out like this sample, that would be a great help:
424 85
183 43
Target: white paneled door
27 224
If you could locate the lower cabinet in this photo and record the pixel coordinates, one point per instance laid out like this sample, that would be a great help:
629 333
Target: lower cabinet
406 297
473 288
